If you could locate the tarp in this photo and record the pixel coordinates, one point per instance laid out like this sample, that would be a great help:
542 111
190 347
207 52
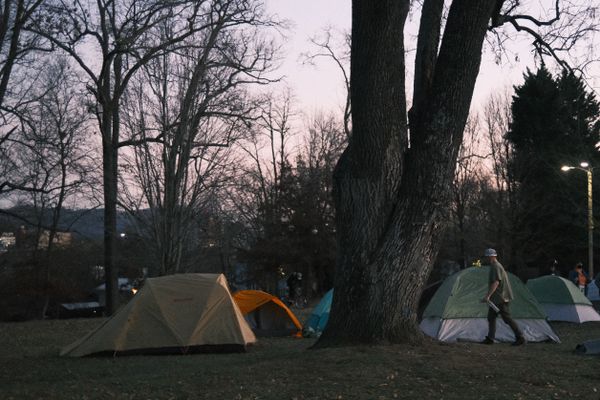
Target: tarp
592 291
80 306
267 314
320 316
175 314
562 300
456 313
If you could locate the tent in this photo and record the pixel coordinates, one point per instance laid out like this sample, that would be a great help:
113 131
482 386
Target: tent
592 291
266 314
455 313
171 314
320 315
85 309
562 300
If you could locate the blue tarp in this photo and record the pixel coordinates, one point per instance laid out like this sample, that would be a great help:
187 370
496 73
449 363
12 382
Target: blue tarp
319 316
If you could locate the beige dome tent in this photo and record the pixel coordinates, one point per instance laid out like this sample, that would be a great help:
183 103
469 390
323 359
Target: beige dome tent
171 314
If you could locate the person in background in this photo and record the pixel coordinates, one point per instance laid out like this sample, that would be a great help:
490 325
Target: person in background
579 277
295 284
283 290
554 268
499 295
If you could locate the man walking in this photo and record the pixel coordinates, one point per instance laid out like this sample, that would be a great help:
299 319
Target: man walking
499 295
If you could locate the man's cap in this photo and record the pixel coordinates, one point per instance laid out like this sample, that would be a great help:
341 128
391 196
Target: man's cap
490 253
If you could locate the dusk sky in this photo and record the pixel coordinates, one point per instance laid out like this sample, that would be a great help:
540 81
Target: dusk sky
321 86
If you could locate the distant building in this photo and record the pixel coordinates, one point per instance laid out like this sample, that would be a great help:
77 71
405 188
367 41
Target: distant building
61 239
7 240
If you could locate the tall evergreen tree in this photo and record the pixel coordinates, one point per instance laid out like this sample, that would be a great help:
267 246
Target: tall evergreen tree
555 123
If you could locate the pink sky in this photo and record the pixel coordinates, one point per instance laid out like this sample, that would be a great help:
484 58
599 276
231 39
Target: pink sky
321 87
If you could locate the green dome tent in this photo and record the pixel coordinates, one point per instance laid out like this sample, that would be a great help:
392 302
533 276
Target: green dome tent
455 313
320 315
562 300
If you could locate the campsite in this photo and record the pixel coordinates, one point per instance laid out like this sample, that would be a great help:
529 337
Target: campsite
283 199
286 368
186 336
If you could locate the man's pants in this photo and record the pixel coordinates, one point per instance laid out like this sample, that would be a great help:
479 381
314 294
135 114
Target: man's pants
505 314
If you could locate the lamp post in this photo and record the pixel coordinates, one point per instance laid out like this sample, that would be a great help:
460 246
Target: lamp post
584 166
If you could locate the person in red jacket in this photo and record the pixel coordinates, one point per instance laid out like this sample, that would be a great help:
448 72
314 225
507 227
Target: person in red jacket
579 277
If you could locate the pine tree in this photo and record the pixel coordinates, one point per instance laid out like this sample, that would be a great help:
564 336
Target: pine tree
555 123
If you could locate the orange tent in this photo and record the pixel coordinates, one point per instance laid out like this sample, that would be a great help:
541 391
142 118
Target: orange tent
266 314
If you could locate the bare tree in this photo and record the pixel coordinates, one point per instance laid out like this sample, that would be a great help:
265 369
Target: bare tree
16 43
391 189
256 199
111 41
54 156
284 198
335 46
560 29
324 142
18 51
267 149
467 186
497 116
190 107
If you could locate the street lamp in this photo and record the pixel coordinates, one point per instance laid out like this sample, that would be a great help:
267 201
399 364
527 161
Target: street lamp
584 166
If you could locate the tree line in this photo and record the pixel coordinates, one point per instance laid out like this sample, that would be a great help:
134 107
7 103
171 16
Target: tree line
509 190
156 108
167 110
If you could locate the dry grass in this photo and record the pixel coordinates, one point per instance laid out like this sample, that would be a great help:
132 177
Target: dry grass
286 369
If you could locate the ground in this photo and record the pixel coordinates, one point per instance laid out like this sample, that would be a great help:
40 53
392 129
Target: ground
285 368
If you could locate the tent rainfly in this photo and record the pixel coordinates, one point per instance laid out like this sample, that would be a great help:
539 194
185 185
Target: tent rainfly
455 313
266 314
320 316
593 293
562 300
171 314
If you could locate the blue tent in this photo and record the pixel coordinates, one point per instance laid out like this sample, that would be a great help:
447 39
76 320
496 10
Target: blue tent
319 316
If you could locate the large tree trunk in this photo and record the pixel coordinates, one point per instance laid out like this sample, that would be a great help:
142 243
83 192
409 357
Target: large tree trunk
390 197
56 213
110 159
111 125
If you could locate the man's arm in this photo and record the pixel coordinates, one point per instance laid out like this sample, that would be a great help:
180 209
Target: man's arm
493 286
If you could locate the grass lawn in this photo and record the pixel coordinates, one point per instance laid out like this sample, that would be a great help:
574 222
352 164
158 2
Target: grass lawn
285 368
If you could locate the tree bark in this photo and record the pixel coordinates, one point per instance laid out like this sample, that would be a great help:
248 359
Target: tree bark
390 197
110 176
